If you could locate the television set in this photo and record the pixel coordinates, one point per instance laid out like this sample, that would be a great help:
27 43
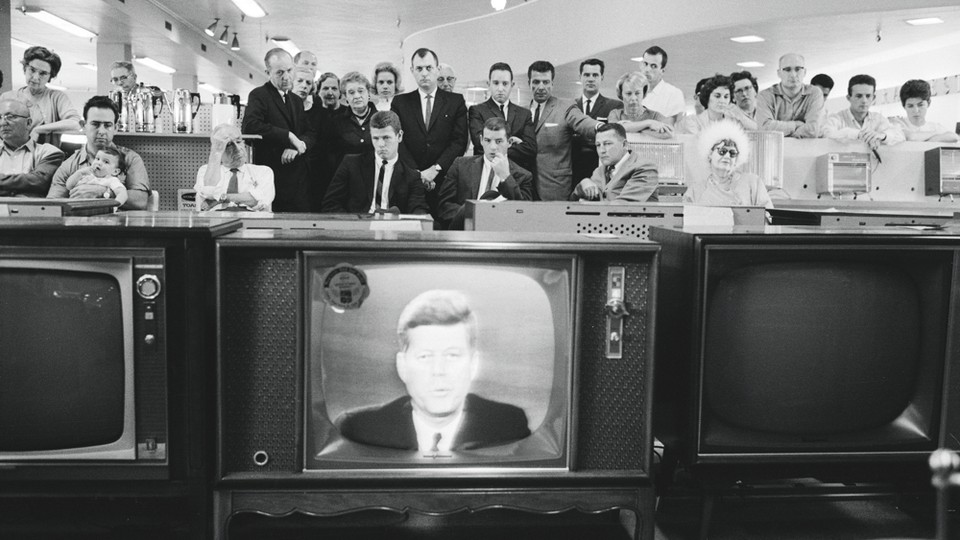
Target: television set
83 373
340 349
805 346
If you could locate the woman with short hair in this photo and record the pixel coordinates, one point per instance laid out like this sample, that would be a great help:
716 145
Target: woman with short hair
51 110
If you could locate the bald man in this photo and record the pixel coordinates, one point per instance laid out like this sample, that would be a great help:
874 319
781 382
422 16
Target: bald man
26 167
226 181
446 78
277 114
791 107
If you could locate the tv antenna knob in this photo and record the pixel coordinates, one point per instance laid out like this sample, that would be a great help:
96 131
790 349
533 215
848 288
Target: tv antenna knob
148 286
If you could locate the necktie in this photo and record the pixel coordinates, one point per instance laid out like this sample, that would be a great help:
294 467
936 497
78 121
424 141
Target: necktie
503 111
488 185
608 173
429 111
379 192
536 116
586 107
232 187
436 443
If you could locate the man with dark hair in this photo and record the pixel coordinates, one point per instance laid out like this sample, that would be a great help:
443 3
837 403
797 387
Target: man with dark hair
745 91
434 125
100 116
520 132
555 121
277 115
790 106
858 122
26 166
824 82
377 181
437 362
596 106
915 98
622 176
662 96
491 176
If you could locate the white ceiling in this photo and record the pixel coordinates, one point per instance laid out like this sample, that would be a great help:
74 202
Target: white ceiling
357 35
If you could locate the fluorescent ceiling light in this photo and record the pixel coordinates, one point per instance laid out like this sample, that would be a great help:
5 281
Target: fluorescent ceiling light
750 64
87 65
210 88
153 64
250 8
286 44
925 21
73 138
637 59
56 87
20 44
747 39
62 24
477 88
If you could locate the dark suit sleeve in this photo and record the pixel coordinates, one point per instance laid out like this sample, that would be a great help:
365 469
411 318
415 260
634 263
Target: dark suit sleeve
255 119
476 128
527 149
458 137
406 156
338 191
416 198
450 208
585 126
518 186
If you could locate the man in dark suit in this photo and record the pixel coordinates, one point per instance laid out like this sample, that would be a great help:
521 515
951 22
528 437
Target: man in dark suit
277 115
437 363
596 106
491 176
378 180
434 125
520 131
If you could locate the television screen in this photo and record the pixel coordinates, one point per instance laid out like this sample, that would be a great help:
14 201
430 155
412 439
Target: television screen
444 361
66 367
807 351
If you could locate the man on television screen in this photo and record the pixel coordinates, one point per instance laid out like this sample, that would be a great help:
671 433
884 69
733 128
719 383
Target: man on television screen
438 360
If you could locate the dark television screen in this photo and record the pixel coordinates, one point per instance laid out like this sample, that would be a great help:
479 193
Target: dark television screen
377 401
827 352
62 366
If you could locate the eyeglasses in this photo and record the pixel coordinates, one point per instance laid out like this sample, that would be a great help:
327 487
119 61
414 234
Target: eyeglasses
120 79
10 117
723 150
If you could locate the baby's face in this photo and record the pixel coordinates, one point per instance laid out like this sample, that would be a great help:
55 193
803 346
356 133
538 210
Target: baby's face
105 165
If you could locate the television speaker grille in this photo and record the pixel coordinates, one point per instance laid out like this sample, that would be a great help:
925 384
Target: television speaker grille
613 421
261 401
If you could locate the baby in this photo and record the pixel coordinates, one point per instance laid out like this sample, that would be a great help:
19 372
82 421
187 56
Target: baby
106 167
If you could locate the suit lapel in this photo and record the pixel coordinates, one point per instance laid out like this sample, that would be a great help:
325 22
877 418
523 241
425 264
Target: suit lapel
417 104
473 178
368 172
395 180
545 111
438 101
278 101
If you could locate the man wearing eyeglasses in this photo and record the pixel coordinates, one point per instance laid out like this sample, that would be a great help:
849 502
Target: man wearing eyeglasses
100 117
123 76
26 167
791 107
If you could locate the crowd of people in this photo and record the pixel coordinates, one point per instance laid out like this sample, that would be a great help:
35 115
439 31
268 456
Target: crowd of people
353 144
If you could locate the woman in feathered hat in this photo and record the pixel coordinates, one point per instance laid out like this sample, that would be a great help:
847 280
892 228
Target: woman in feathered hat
725 147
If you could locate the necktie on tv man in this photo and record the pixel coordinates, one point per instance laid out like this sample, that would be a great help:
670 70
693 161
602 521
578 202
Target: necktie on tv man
436 443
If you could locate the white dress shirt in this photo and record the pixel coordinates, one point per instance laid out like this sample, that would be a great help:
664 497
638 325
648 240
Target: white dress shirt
484 174
426 433
256 179
387 176
665 98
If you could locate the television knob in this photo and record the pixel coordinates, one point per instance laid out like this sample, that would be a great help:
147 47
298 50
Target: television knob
149 339
148 286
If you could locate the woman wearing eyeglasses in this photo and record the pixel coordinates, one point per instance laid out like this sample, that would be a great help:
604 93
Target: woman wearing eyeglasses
725 147
50 109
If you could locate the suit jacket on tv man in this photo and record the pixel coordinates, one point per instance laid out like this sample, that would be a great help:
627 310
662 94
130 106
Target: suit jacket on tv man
440 143
463 183
485 423
559 120
635 180
351 189
268 116
519 124
585 152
